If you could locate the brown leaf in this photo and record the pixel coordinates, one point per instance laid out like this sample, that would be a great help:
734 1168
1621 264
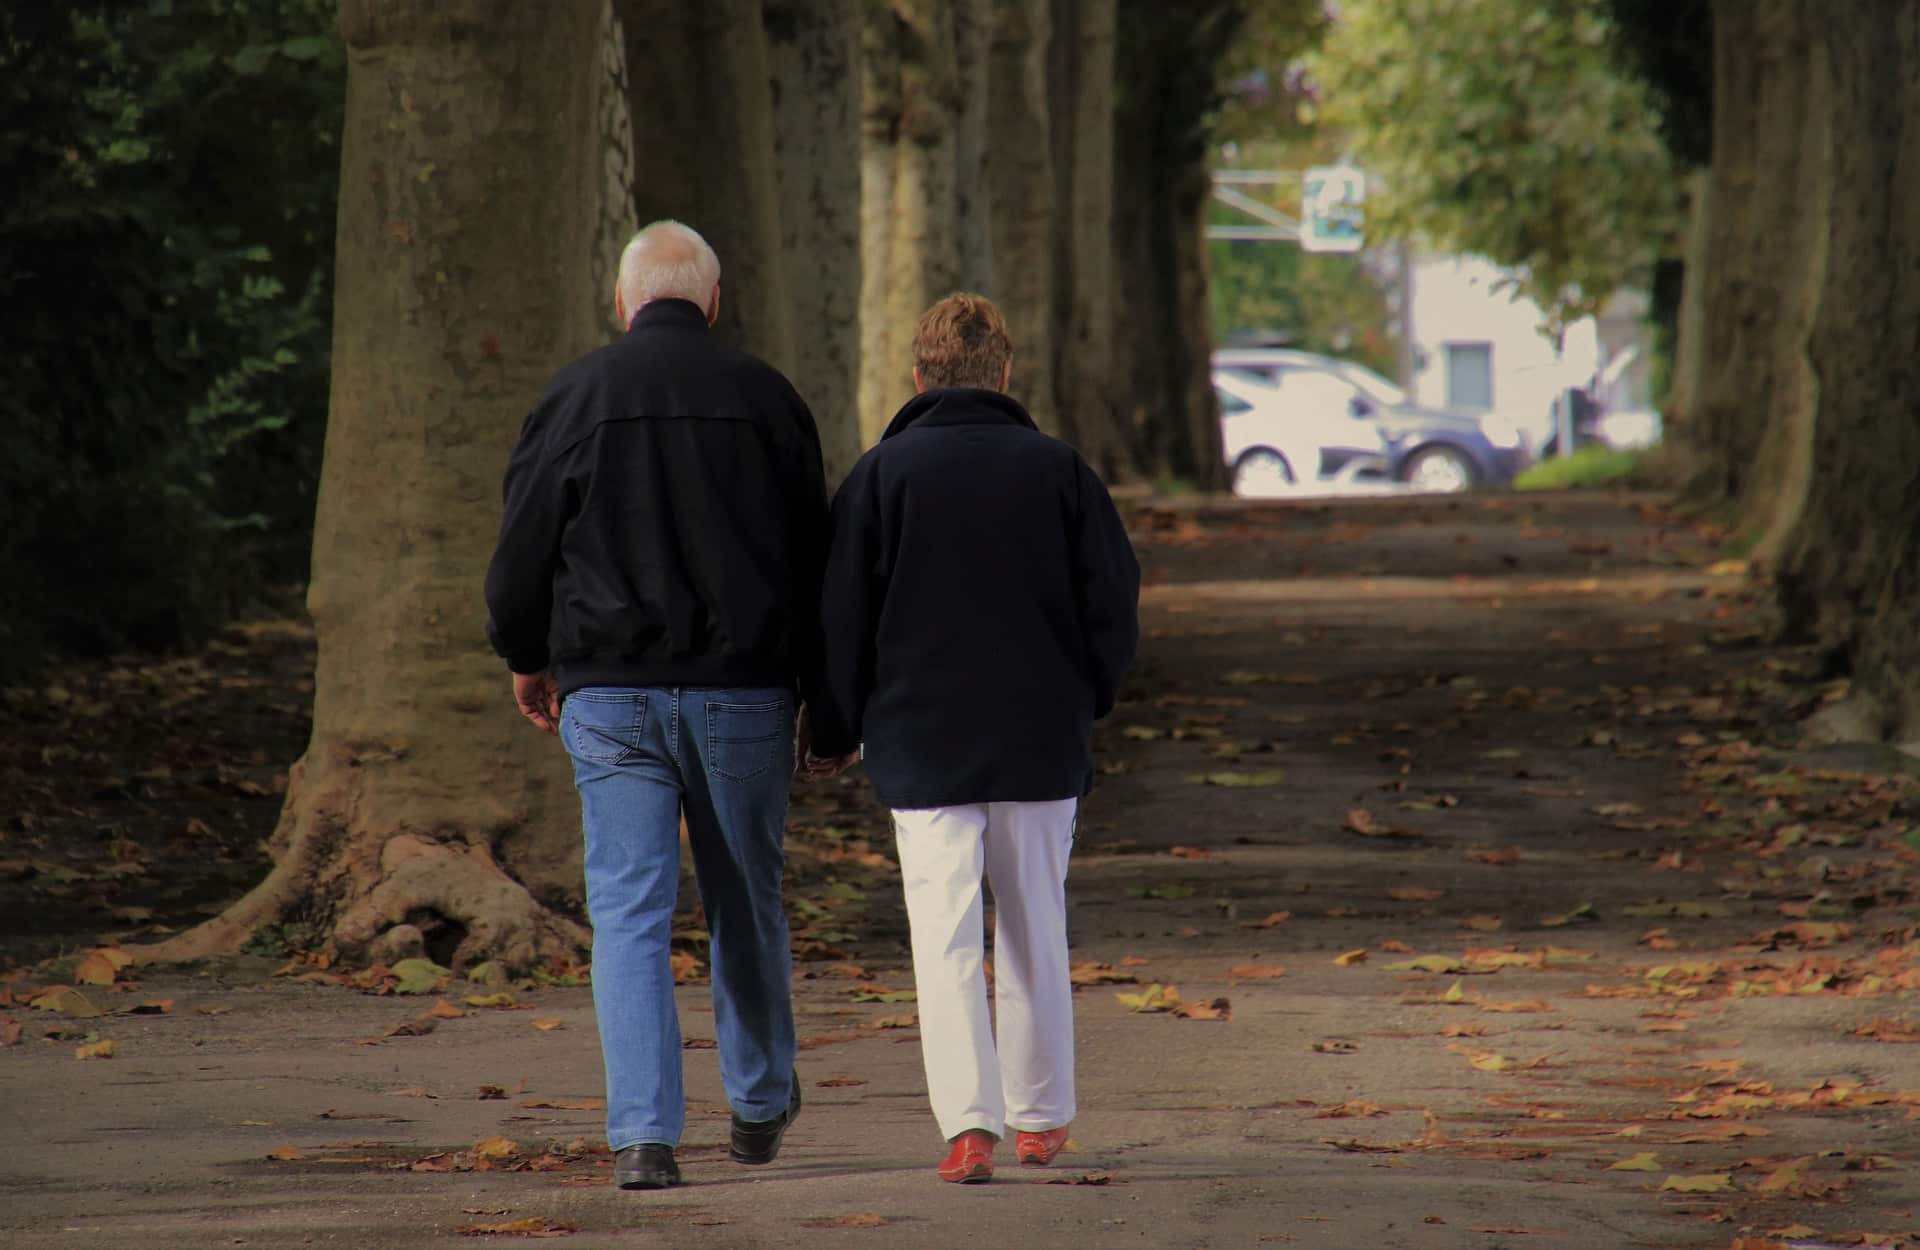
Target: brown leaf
102 1049
549 1023
488 1000
1351 958
564 1104
1094 972
286 1154
1212 1009
1191 852
419 1026
1415 893
1515 1230
414 1091
1255 972
1484 924
1350 1109
863 1219
532 1226
444 1010
101 967
9 1032
1080 1178
909 1021
1336 1046
489 1093
840 1082
1273 918
1495 855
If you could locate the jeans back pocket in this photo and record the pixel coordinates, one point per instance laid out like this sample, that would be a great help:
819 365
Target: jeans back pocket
603 728
744 739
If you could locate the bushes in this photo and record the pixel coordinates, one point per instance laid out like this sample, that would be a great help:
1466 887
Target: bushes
165 261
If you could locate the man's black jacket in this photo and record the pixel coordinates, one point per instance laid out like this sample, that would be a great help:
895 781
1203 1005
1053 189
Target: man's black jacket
981 606
666 523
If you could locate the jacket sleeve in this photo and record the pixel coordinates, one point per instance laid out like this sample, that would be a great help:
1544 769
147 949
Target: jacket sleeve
851 597
808 525
1107 578
519 584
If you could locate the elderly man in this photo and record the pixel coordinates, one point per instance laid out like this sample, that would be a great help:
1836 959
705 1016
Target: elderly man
980 608
655 592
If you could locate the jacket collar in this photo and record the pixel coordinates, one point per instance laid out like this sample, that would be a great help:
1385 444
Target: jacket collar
959 405
681 313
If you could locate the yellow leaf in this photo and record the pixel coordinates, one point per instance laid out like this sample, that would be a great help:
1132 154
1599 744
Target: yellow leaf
1484 924
1155 997
549 1024
444 1010
66 1000
102 966
1351 958
1645 1161
1787 1175
488 1000
494 1147
1700 1183
102 1049
1454 994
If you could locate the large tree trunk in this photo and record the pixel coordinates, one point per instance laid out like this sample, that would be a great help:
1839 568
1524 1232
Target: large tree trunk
703 143
1165 89
469 205
1852 575
812 54
1080 105
1020 174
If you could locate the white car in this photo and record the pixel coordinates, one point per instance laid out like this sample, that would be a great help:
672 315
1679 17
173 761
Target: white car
1273 446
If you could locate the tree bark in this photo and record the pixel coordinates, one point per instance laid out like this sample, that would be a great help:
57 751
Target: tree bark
1081 108
703 142
923 234
1021 175
1852 573
468 212
812 55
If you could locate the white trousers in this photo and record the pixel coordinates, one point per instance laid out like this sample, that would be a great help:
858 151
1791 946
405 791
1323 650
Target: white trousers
1020 1074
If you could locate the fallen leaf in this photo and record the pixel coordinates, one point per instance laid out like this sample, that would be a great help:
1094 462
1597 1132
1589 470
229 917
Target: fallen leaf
1353 1108
1351 958
66 1000
909 1021
1427 963
9 1032
494 1148
102 966
532 1226
839 1082
445 1010
1415 893
1272 919
1191 852
1785 1177
1270 777
490 1093
1080 1178
864 1219
286 1154
1255 972
1514 1230
1483 924
1336 1046
1515 1005
1700 1183
1645 1161
102 1049
1496 856
1155 997
419 976
1096 973
1212 1009
1583 914
549 1024
488 1000
564 1104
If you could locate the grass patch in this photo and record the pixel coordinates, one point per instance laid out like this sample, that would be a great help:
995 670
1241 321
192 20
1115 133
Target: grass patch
1587 468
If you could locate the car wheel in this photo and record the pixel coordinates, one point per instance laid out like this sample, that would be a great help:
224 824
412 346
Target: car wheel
1261 473
1441 470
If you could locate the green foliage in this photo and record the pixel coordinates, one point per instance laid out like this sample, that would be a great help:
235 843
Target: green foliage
1506 129
165 260
1588 468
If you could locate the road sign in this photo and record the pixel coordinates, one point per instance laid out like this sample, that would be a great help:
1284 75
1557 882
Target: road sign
1332 208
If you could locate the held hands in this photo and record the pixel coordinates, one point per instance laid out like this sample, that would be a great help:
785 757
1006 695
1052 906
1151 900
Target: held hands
811 767
539 698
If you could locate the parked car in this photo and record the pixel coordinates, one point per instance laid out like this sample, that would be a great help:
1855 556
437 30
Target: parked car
1359 423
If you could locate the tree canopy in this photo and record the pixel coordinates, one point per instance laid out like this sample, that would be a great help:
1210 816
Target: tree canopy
1506 129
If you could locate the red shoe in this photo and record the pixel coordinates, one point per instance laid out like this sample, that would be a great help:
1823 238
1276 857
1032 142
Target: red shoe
971 1159
1038 1149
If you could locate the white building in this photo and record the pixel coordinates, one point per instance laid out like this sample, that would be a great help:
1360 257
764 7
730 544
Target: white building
1480 344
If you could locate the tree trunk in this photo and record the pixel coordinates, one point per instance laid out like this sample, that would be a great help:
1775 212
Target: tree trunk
923 101
1757 256
1081 108
1165 92
466 227
703 143
1020 175
812 54
1852 573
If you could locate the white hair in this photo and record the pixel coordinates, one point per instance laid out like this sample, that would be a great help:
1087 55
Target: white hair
668 260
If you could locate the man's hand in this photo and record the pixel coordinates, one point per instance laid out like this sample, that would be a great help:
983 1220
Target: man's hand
822 767
539 698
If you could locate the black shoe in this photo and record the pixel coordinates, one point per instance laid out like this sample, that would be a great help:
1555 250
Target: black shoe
759 1143
648 1165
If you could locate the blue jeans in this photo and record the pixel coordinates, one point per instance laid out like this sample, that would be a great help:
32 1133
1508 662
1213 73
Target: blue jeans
725 758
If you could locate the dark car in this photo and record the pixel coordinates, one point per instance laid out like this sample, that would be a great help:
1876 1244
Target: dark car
1342 405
